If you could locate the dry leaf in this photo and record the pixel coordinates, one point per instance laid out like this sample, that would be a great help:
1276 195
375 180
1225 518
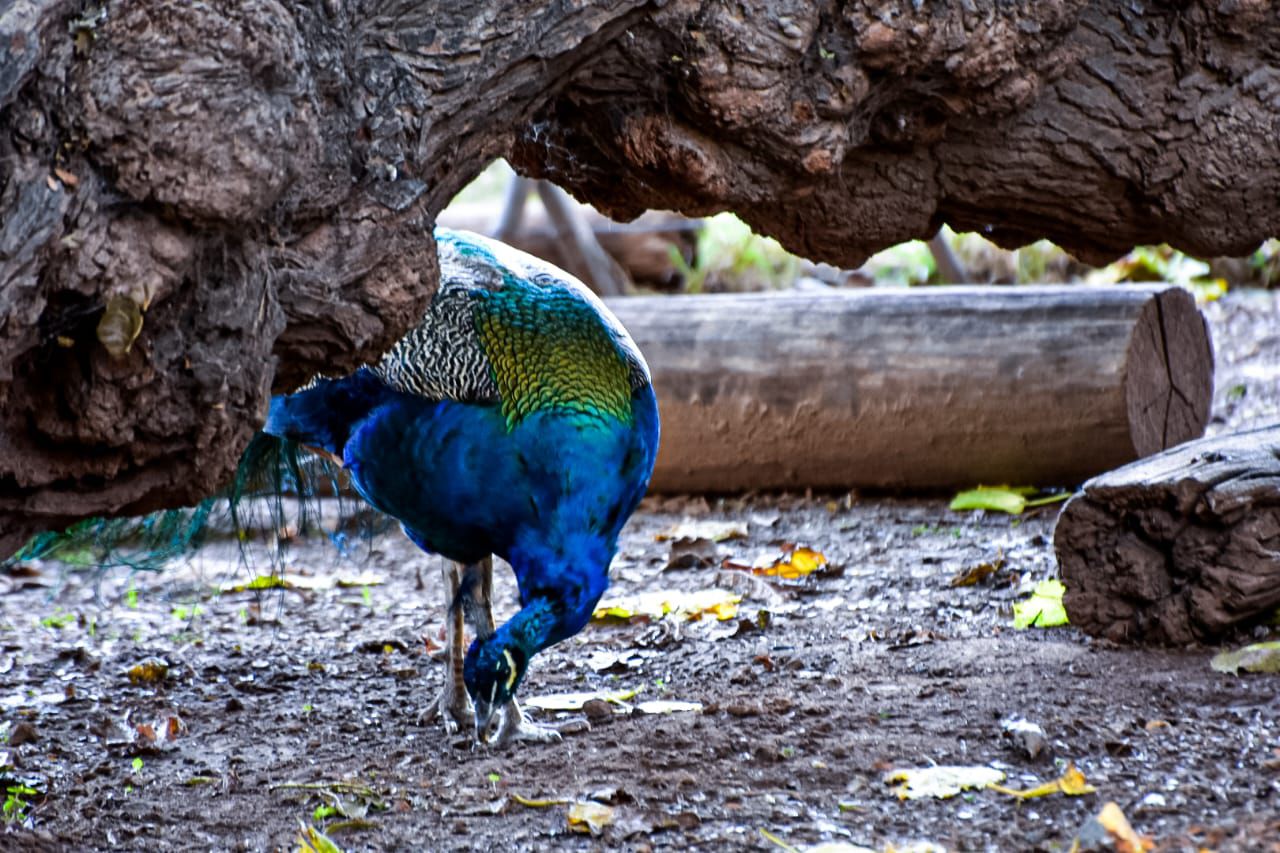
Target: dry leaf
941 781
149 671
977 574
589 817
1259 657
676 604
1071 782
120 325
794 563
312 840
715 531
575 701
668 706
1111 828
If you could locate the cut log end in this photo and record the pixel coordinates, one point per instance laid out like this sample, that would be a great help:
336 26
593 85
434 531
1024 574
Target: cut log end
1178 548
1168 383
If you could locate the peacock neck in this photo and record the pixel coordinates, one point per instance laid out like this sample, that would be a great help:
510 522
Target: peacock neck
532 628
559 587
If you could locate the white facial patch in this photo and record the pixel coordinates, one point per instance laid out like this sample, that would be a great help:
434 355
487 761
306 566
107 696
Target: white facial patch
511 664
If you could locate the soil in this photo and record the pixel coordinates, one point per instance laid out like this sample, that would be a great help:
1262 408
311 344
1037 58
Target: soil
277 703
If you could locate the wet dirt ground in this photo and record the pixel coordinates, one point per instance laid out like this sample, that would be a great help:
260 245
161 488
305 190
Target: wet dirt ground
278 703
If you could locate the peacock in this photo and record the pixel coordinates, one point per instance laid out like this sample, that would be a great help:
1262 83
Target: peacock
517 420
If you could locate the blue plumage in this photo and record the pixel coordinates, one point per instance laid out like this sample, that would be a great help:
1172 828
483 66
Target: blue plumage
516 420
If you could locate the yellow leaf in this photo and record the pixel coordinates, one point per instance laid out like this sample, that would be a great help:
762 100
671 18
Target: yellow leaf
941 781
312 840
149 671
1071 782
1044 609
679 605
795 563
801 562
1115 824
589 817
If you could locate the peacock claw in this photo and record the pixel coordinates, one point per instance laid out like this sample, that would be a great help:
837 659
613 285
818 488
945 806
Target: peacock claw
453 708
517 727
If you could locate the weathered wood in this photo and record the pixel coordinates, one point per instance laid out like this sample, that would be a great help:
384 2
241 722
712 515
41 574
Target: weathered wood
920 388
1180 547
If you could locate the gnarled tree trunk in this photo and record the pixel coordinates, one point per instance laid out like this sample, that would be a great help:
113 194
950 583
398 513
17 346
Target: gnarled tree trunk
202 202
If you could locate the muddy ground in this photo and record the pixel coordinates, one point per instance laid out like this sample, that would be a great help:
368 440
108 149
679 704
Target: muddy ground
810 694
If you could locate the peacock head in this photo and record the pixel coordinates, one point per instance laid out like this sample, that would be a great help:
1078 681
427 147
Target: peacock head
492 671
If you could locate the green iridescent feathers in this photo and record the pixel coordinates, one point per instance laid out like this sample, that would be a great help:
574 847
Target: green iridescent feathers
548 349
506 328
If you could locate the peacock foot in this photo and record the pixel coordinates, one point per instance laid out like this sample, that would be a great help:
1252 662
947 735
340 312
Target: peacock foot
453 708
517 727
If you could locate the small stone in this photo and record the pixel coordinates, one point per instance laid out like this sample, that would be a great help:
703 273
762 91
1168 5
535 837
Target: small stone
597 711
23 732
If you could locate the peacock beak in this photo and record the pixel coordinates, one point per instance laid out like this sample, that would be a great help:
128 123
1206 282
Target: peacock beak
486 713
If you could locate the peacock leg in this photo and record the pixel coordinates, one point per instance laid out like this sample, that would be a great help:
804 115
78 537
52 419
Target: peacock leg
514 724
453 706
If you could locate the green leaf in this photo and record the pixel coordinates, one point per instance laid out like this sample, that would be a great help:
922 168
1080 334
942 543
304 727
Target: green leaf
1010 499
1043 609
996 498
1259 657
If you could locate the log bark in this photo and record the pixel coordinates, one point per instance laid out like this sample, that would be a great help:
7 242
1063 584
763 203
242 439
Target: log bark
1177 548
252 185
919 389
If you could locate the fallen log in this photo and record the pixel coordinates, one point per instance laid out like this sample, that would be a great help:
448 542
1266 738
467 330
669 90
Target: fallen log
1177 548
920 389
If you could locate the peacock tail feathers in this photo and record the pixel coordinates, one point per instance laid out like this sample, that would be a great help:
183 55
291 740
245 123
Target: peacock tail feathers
506 328
277 487
144 544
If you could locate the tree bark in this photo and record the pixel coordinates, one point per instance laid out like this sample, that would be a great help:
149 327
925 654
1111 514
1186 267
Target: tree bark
1181 547
200 203
919 389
